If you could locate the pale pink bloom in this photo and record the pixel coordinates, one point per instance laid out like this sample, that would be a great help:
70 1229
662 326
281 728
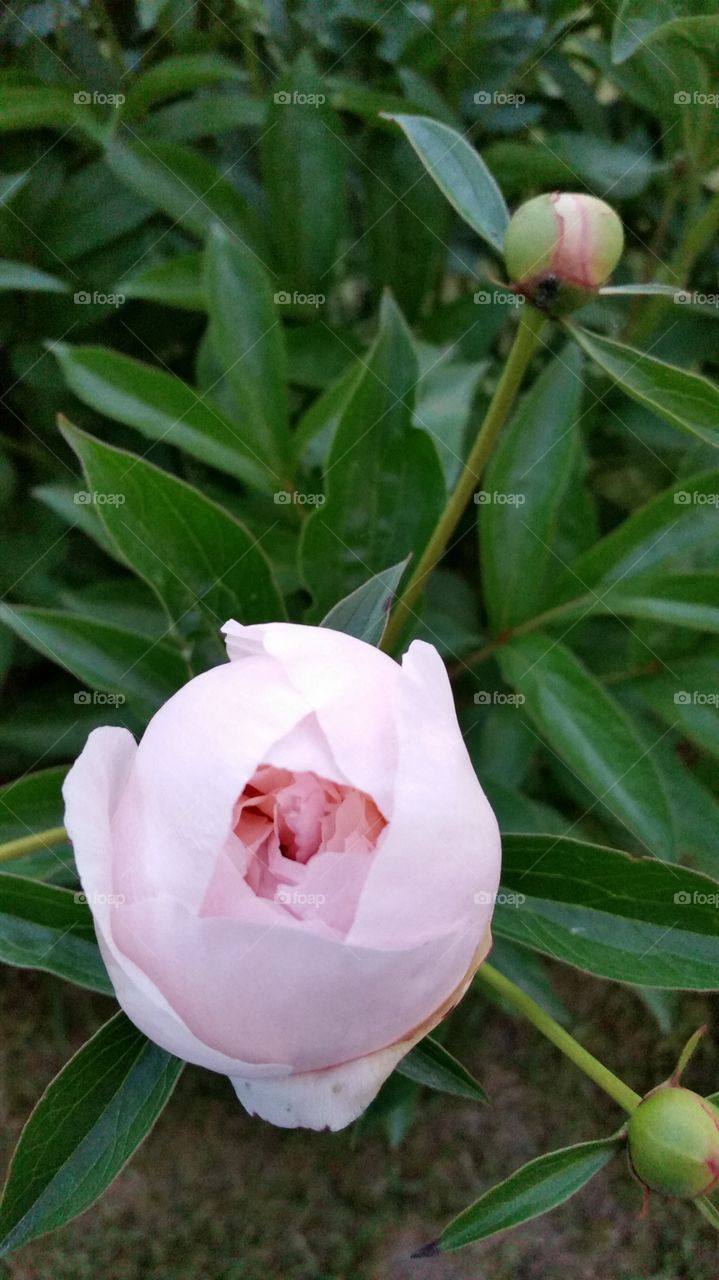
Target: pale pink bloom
292 875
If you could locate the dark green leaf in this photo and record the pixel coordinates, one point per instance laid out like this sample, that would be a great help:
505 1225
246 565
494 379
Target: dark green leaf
592 734
384 481
128 667
179 73
633 920
429 1063
45 927
84 1129
536 1188
187 187
524 488
194 554
683 399
162 407
461 174
175 283
364 612
304 160
18 275
247 338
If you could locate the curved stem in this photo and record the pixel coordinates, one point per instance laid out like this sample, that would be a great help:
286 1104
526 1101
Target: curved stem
523 348
591 1066
28 844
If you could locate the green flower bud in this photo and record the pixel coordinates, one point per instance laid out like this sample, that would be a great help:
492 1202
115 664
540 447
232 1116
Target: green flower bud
564 240
674 1142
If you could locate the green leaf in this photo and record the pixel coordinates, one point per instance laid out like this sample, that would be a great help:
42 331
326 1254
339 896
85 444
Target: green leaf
304 159
18 275
31 803
667 529
525 486
45 927
364 612
685 400
592 734
649 290
174 283
128 667
461 174
187 187
634 920
179 73
247 338
162 407
385 488
430 1064
681 599
639 23
539 1186
205 115
202 563
84 1129
685 696
46 107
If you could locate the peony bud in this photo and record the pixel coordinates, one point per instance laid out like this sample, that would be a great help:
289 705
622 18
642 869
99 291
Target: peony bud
562 242
674 1143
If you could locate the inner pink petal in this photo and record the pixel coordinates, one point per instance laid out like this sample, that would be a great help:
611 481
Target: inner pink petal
282 821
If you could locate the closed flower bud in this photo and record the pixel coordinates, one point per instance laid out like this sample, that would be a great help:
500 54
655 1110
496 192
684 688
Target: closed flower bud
562 241
674 1143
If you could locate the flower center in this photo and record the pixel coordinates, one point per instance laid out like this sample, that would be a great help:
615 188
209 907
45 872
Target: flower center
308 842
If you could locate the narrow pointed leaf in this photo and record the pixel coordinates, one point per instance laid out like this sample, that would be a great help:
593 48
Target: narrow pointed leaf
248 341
592 733
45 927
634 920
461 174
163 408
683 399
202 563
364 612
430 1064
536 1188
84 1129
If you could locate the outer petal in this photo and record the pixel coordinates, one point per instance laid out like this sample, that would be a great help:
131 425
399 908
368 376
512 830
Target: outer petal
287 993
196 756
92 790
333 1098
347 683
442 848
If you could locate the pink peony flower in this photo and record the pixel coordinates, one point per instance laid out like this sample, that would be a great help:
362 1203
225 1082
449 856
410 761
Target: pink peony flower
292 875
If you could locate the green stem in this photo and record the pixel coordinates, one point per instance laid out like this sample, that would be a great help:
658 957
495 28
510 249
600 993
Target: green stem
28 844
591 1066
523 348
